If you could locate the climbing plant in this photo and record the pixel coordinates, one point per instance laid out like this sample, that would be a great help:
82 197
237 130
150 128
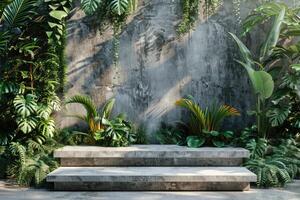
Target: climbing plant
112 12
191 11
32 36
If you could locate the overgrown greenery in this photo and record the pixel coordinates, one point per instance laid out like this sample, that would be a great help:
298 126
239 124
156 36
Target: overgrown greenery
203 125
111 12
191 12
274 74
278 64
31 69
102 128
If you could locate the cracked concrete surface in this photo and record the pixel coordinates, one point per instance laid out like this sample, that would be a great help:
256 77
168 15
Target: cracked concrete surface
291 192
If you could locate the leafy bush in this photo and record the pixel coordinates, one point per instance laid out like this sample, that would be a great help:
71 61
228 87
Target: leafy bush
31 69
274 166
141 134
102 129
274 73
168 134
203 125
211 138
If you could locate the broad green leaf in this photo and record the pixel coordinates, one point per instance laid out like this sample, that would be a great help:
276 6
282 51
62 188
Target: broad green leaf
25 106
218 143
195 141
263 84
295 67
215 133
26 125
273 36
58 14
90 6
228 134
119 6
245 52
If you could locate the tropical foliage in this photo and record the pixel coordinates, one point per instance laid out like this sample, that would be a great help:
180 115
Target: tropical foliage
203 125
31 68
102 129
113 12
274 166
277 78
274 75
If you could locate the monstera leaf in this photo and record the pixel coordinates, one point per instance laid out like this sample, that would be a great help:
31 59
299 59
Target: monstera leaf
25 106
90 6
119 6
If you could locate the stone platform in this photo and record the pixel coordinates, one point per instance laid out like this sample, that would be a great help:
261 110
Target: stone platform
150 155
151 178
151 168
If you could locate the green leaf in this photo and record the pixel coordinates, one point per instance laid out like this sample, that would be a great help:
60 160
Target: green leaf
228 134
90 6
245 52
26 125
18 12
214 133
25 106
263 84
273 36
295 67
119 6
58 14
279 114
195 141
218 143
107 108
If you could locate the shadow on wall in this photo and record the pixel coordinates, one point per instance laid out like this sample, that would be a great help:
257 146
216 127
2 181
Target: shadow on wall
156 68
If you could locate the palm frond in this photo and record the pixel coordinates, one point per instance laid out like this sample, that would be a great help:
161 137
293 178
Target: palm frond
86 102
18 12
107 108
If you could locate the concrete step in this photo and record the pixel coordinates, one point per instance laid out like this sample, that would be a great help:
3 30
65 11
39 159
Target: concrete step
150 155
151 178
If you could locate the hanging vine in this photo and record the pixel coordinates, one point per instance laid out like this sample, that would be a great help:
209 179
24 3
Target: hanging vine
237 10
113 13
191 12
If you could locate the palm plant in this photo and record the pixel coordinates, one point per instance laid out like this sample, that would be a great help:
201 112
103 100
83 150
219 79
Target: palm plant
103 129
93 117
203 125
209 119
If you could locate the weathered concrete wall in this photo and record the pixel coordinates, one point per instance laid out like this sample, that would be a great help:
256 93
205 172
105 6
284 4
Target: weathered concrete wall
156 68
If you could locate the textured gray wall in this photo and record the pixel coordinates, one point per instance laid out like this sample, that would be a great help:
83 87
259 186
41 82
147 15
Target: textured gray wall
157 68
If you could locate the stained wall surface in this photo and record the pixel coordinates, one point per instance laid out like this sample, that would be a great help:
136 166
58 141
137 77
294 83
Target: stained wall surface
156 67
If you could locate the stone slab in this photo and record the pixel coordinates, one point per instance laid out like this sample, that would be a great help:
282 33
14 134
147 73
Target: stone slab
149 186
151 178
151 174
150 155
93 162
149 151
